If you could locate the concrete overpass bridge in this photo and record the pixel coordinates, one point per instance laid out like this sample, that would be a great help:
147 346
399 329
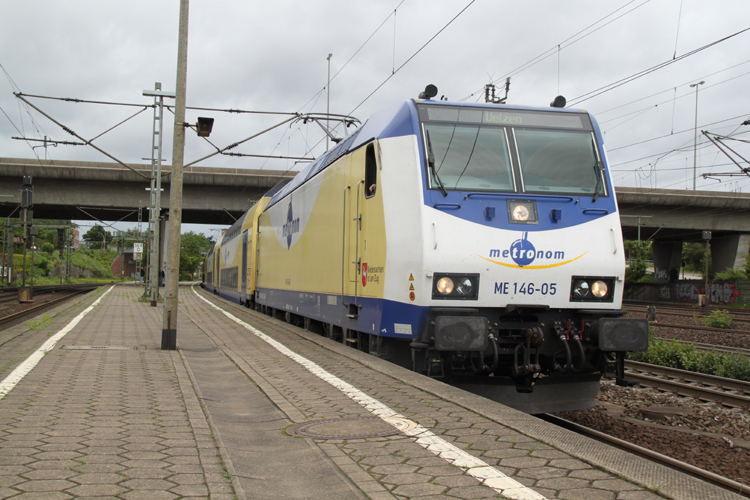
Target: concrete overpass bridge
109 191
669 217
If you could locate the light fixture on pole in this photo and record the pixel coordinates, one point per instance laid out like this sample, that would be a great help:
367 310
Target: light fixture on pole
204 126
695 144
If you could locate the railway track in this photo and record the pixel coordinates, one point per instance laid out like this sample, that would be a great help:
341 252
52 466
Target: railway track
705 475
728 392
658 324
741 315
65 292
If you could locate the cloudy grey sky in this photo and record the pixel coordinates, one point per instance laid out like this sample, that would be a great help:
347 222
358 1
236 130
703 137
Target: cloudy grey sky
271 56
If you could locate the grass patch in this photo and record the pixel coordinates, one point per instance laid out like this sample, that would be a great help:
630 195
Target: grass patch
38 325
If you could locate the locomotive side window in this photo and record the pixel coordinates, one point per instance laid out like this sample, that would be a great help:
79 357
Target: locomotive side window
371 171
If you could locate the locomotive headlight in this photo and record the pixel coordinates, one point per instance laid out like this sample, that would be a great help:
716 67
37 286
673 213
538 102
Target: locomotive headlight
455 286
522 212
599 289
595 289
445 285
464 287
580 289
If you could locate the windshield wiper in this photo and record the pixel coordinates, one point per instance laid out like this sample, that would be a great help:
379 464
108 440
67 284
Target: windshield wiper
598 172
431 163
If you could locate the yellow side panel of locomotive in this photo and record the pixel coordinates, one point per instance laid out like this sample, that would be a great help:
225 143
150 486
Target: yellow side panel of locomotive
313 241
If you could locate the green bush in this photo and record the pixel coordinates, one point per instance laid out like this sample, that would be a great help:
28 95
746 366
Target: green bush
674 354
635 271
717 319
735 366
731 275
48 248
83 260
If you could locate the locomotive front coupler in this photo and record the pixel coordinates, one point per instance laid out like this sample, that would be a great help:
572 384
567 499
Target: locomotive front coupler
534 338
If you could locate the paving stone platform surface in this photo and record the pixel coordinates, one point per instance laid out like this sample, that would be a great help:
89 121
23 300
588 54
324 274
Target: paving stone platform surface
234 412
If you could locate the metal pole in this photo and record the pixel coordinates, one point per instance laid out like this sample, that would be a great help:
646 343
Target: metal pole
328 99
5 255
706 286
169 317
32 260
695 143
23 269
154 263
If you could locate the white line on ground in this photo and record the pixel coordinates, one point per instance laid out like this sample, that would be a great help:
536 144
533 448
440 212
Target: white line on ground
473 466
24 368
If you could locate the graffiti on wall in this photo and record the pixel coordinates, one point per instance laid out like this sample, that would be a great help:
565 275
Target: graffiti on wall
723 293
686 292
720 292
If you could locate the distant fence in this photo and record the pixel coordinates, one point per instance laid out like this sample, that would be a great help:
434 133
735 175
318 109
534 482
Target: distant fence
687 291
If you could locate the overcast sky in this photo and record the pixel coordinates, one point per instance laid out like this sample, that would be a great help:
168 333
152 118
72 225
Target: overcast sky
271 56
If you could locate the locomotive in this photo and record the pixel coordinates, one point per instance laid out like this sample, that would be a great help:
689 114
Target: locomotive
475 243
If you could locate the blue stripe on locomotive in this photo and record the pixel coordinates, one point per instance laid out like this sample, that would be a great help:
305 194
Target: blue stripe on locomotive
376 316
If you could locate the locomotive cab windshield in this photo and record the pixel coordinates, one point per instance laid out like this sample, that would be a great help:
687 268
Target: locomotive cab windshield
520 151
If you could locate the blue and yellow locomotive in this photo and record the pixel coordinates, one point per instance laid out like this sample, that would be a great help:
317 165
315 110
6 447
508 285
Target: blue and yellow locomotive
477 243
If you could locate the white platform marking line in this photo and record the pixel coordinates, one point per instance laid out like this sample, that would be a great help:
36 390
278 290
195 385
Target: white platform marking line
473 466
24 368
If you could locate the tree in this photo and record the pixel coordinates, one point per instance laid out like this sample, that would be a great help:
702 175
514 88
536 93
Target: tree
96 235
192 248
637 254
694 257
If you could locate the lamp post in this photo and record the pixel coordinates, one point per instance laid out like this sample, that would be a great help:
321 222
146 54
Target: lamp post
169 316
695 144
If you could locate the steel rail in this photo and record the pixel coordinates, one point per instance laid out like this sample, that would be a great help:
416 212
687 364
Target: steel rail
38 308
692 470
737 314
683 382
692 307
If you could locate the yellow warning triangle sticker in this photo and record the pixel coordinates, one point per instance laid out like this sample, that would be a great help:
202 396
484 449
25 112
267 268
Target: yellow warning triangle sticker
411 287
411 277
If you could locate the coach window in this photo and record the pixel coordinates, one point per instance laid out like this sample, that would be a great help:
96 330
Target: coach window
371 171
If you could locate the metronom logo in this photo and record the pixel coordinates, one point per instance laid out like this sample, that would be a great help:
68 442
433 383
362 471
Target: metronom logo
522 253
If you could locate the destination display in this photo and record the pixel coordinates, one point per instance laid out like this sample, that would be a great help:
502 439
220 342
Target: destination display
572 121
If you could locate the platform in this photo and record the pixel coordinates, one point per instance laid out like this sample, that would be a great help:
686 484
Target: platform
250 407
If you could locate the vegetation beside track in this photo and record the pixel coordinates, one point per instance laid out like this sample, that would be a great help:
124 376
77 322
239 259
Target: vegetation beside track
675 354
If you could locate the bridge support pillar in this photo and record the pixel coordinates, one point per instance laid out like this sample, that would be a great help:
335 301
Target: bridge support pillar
730 252
667 260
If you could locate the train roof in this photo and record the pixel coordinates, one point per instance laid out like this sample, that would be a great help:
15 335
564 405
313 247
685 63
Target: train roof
394 121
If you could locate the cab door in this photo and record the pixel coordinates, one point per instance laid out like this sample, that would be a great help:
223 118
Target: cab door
361 230
243 289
